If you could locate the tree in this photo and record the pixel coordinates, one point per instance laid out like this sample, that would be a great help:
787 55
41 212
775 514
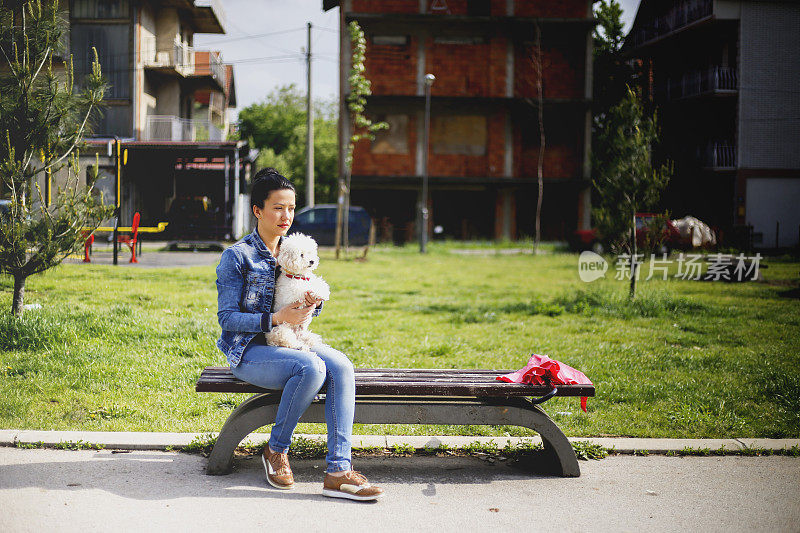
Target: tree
625 179
612 72
537 65
277 127
42 123
360 126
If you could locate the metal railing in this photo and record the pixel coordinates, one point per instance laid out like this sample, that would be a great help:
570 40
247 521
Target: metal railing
171 128
182 58
680 15
217 68
721 155
697 82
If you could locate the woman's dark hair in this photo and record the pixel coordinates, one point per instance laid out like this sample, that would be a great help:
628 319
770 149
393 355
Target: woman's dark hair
265 181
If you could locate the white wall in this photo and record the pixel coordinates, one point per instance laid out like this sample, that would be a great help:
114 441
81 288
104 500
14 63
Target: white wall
771 200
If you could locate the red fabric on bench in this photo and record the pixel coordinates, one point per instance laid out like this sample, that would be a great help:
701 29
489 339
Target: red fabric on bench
541 370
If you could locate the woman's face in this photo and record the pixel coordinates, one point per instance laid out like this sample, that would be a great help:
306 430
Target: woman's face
278 213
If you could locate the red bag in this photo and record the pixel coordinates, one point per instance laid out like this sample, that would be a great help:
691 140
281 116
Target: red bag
541 370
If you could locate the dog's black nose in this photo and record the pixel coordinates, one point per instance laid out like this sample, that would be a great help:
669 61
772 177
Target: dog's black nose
311 262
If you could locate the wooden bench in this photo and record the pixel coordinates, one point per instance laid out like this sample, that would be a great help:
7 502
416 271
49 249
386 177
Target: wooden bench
407 396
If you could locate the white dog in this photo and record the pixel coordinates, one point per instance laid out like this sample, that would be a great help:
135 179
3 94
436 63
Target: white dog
298 258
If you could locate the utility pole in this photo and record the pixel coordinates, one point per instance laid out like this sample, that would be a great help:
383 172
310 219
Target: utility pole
118 195
423 205
309 128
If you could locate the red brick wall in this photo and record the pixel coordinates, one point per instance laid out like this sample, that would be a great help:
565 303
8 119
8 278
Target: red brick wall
459 7
367 163
560 161
467 69
460 69
490 164
496 143
385 6
499 8
392 69
522 8
563 72
551 9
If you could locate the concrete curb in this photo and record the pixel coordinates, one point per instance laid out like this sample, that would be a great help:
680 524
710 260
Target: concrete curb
139 440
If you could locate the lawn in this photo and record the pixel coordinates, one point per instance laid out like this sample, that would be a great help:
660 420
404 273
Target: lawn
119 349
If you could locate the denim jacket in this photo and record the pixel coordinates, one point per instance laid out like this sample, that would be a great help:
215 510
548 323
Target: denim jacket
245 286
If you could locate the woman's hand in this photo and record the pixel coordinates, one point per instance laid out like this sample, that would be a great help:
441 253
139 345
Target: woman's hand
310 300
295 313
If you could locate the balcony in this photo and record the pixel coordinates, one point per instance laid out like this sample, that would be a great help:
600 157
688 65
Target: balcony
720 155
171 128
178 60
679 16
207 63
715 80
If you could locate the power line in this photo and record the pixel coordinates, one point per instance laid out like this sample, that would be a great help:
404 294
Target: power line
257 36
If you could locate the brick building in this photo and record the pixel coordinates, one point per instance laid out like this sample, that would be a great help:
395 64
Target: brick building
723 77
484 140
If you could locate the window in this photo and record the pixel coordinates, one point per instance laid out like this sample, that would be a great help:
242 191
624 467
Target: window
99 9
111 120
459 135
479 8
390 40
111 42
395 139
459 40
317 215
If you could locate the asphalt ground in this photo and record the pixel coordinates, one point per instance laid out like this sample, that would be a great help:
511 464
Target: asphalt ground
150 259
58 490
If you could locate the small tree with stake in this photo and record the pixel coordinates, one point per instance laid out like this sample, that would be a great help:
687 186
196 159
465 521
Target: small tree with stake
42 123
625 179
360 128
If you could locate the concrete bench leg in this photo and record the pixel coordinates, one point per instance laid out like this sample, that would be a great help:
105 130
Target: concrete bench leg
260 410
256 411
557 447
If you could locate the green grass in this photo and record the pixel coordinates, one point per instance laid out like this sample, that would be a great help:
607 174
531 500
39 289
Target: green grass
119 349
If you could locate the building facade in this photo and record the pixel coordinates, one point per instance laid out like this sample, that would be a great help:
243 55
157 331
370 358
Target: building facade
166 104
722 75
484 134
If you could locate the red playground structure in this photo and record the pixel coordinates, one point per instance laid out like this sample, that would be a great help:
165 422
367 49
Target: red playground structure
130 240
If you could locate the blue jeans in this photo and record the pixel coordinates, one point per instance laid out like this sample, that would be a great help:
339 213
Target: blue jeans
301 375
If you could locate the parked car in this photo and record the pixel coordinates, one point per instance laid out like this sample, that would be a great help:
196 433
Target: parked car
670 238
320 222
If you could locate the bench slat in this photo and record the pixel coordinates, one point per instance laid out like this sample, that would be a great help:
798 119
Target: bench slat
362 376
393 371
407 382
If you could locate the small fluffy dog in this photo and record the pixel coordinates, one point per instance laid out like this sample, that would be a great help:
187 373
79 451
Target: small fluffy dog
297 258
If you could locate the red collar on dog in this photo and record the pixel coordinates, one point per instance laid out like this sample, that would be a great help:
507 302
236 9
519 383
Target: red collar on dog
293 276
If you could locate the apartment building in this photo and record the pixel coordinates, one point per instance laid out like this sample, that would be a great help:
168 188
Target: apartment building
167 103
484 137
722 76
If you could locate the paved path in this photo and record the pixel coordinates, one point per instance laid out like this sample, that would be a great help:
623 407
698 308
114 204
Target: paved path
152 259
54 490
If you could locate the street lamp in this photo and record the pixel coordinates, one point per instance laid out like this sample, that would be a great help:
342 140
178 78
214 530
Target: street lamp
423 206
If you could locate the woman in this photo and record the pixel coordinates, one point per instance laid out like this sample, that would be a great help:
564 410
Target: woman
245 286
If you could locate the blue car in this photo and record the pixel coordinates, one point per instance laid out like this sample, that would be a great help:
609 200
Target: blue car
319 222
